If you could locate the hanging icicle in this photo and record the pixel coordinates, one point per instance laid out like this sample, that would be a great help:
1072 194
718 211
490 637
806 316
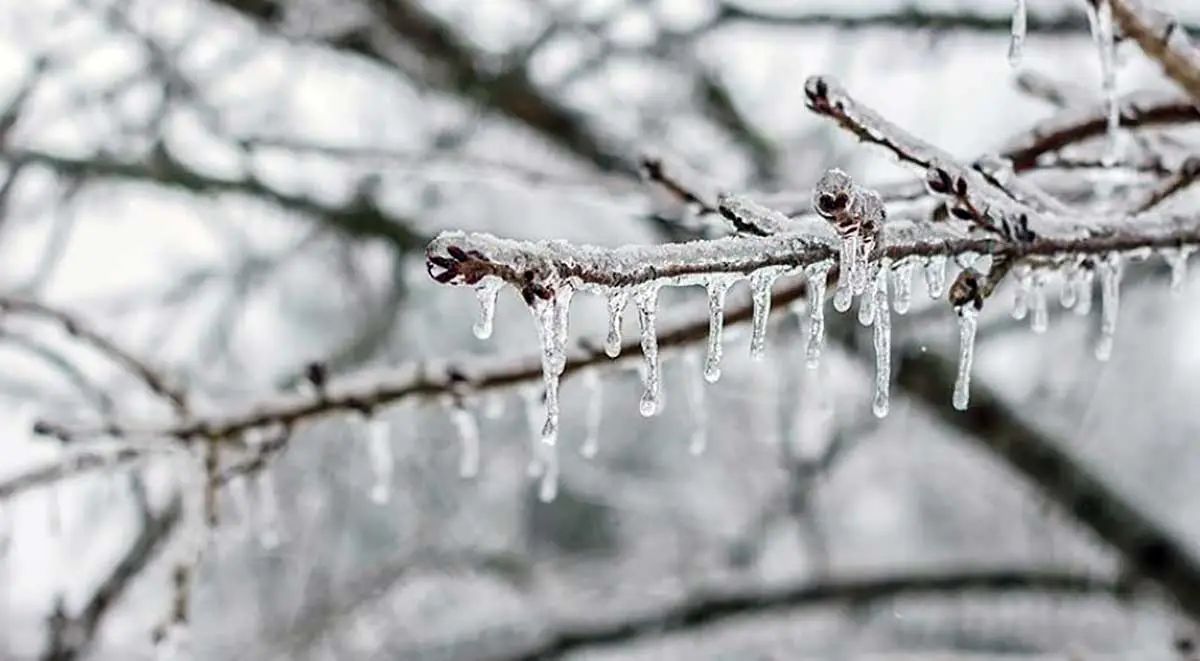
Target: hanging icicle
760 293
1016 44
817 276
1109 269
883 343
902 275
617 299
717 288
935 276
968 319
486 292
646 300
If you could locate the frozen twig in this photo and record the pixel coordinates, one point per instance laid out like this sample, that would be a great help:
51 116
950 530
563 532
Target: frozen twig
155 382
1163 39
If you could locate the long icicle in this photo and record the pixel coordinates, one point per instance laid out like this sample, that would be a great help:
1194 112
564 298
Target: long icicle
968 320
646 300
760 293
817 276
717 289
883 342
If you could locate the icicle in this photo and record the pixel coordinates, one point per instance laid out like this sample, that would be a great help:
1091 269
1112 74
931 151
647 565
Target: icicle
866 306
1110 301
486 291
468 436
1100 19
532 399
552 319
594 393
717 289
1068 295
968 319
1083 292
883 343
695 397
379 449
1016 44
1177 259
617 299
760 294
817 276
847 262
268 510
646 300
935 276
1021 297
1040 319
903 277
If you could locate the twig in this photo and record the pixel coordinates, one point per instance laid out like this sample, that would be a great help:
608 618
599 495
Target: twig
1163 39
155 382
72 637
703 610
1187 175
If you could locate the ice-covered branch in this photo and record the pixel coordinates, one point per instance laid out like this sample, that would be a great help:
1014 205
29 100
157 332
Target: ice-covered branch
1073 126
534 268
706 609
1162 38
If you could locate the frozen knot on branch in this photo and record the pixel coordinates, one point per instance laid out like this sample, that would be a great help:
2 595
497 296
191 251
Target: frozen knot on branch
857 216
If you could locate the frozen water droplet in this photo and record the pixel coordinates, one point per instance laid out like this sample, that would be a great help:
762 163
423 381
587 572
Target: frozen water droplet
1109 270
379 450
695 396
883 343
760 292
817 275
468 436
486 291
935 276
593 389
1016 44
968 318
646 300
1068 294
903 280
617 300
717 288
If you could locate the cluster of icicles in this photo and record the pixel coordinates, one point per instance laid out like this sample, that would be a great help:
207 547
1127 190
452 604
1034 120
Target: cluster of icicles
880 285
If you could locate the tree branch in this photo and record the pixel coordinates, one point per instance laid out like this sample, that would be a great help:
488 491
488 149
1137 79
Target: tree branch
1163 39
706 609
